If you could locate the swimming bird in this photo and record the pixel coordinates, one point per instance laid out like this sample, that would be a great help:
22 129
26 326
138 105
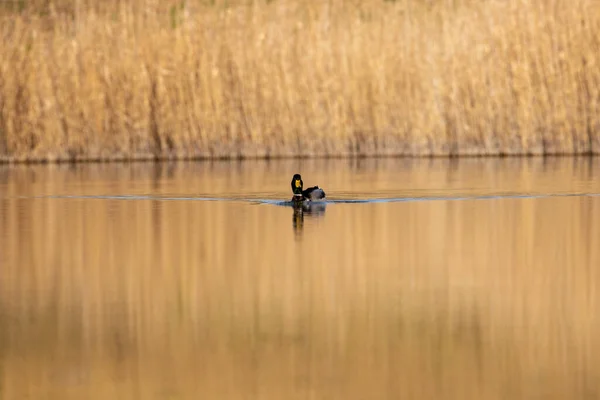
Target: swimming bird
300 194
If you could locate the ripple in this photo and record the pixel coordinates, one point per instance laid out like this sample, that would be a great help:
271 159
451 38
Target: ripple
252 199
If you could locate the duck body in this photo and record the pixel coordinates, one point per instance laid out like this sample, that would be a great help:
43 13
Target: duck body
309 194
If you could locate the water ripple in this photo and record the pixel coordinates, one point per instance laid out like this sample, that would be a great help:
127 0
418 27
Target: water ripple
497 196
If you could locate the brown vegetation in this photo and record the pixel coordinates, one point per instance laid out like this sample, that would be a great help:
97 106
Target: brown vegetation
83 79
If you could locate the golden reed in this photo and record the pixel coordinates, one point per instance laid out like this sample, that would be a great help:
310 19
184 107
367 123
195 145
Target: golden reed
91 80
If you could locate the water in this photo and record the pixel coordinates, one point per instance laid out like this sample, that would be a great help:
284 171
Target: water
417 279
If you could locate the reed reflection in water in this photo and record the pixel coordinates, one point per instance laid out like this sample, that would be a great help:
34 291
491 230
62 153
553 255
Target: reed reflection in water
183 299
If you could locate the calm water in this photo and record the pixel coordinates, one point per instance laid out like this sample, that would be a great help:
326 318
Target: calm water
471 279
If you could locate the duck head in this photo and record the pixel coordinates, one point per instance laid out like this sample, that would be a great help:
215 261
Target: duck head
297 185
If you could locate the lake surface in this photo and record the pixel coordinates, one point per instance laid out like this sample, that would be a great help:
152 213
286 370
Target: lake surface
418 279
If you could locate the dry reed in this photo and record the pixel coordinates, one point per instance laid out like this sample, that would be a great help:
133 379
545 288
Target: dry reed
133 79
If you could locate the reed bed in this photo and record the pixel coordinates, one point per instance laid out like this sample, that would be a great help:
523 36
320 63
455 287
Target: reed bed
139 79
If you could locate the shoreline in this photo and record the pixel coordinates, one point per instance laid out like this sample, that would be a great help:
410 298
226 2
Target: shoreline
5 161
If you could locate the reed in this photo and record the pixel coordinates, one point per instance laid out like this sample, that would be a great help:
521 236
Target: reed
86 80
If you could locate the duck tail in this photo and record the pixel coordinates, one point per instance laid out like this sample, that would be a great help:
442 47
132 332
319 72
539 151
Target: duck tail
316 193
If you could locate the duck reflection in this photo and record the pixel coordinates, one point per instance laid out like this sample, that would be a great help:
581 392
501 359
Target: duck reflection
306 208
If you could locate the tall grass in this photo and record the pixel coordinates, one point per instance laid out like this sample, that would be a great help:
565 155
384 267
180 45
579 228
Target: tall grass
145 78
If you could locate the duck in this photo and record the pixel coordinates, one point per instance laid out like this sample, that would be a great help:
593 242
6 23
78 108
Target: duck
308 194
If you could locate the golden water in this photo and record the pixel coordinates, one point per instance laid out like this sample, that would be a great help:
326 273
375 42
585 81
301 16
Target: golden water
160 295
